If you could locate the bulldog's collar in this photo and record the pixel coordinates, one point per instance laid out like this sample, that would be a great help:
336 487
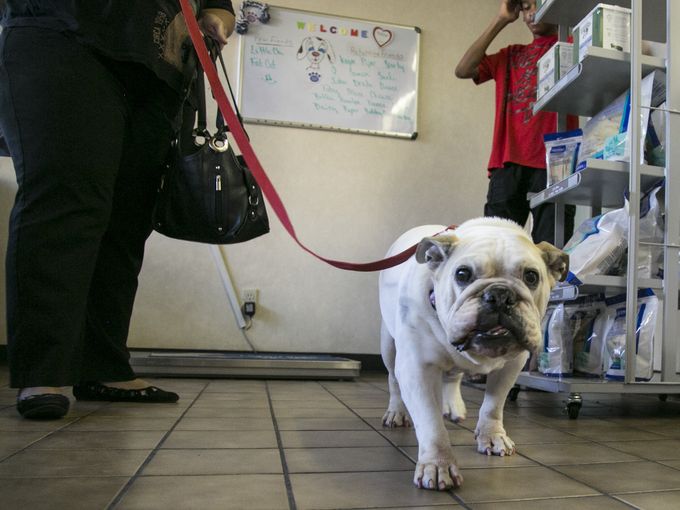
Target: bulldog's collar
433 302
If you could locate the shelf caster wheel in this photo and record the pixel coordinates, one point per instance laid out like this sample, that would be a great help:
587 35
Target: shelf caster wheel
514 392
573 409
663 397
574 404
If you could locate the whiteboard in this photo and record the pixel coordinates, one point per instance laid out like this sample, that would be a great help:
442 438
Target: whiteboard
313 70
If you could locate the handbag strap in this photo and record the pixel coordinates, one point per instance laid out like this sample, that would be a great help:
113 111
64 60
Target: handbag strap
220 118
201 116
254 164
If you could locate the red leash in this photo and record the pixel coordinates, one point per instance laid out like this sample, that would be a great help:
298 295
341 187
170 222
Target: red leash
254 164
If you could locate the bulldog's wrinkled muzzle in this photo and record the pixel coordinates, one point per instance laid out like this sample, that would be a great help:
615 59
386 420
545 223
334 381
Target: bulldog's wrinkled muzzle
499 330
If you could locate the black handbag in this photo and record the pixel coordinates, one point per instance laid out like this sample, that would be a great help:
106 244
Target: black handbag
207 193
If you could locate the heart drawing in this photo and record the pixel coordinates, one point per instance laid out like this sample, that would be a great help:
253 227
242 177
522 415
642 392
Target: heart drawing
382 36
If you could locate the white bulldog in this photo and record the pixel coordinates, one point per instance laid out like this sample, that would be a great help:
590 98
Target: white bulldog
470 300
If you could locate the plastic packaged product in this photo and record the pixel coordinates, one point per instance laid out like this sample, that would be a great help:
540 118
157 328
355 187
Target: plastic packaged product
655 142
606 123
615 336
653 92
606 134
586 320
556 358
651 230
598 244
561 154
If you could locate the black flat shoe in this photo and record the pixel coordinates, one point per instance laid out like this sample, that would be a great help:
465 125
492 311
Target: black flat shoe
97 391
48 406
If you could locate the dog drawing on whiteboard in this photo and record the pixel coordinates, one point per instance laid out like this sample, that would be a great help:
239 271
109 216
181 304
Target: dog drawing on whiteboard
315 50
470 300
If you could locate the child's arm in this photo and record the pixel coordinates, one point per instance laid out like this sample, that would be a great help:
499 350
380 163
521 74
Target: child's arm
508 13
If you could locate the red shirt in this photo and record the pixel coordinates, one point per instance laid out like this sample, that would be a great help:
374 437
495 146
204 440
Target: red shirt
518 133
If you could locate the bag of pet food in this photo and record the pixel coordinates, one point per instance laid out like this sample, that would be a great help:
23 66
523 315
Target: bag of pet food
556 358
651 230
561 154
585 322
598 244
606 135
615 336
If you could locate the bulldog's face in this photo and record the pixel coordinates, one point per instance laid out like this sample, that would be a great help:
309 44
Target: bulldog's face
491 286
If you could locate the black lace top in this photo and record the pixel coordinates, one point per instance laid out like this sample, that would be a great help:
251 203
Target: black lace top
149 32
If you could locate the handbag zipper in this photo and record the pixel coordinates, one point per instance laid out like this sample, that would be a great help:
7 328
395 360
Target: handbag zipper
218 200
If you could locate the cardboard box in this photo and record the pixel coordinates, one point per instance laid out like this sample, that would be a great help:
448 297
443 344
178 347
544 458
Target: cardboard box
606 26
552 66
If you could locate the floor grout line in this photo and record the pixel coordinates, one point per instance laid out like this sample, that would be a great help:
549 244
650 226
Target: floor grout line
451 493
50 433
284 464
341 394
124 490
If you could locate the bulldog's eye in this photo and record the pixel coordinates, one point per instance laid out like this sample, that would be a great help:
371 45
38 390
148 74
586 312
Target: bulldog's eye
463 275
531 278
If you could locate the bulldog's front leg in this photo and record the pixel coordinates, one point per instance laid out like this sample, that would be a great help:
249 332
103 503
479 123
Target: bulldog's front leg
420 385
490 433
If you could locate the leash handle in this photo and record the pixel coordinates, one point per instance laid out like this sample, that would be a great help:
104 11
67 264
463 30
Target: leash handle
253 163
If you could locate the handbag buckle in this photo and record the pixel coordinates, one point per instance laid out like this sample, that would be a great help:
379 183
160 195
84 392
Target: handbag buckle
200 137
218 144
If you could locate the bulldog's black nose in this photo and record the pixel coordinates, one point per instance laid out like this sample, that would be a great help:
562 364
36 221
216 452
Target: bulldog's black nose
498 297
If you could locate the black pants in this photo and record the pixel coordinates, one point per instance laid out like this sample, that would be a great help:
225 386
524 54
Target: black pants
87 136
507 198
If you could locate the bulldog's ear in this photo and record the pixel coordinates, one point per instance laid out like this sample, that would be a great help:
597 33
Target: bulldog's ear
556 260
434 250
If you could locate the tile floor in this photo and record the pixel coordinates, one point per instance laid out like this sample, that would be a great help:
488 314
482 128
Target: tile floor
253 444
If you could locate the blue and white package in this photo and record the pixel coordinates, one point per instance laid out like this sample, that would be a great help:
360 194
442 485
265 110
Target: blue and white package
556 358
598 244
606 134
615 336
561 154
586 317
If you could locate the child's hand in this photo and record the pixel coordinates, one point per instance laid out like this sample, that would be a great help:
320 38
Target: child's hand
510 10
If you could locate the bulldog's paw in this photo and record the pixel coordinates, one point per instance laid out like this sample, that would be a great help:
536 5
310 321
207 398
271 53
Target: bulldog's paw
494 443
396 418
441 475
454 410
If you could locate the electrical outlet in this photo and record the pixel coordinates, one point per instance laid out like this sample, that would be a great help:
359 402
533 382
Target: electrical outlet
249 295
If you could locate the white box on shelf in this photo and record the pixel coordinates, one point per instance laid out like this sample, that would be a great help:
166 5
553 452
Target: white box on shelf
552 66
606 26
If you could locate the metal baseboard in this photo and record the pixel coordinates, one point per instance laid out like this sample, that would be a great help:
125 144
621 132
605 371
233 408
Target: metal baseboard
243 365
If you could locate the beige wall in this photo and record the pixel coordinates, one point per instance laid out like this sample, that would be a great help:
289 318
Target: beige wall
348 196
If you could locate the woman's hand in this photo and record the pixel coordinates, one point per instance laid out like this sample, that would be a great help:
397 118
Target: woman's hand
217 24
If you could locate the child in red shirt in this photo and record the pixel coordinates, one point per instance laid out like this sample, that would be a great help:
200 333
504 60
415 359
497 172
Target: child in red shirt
517 163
